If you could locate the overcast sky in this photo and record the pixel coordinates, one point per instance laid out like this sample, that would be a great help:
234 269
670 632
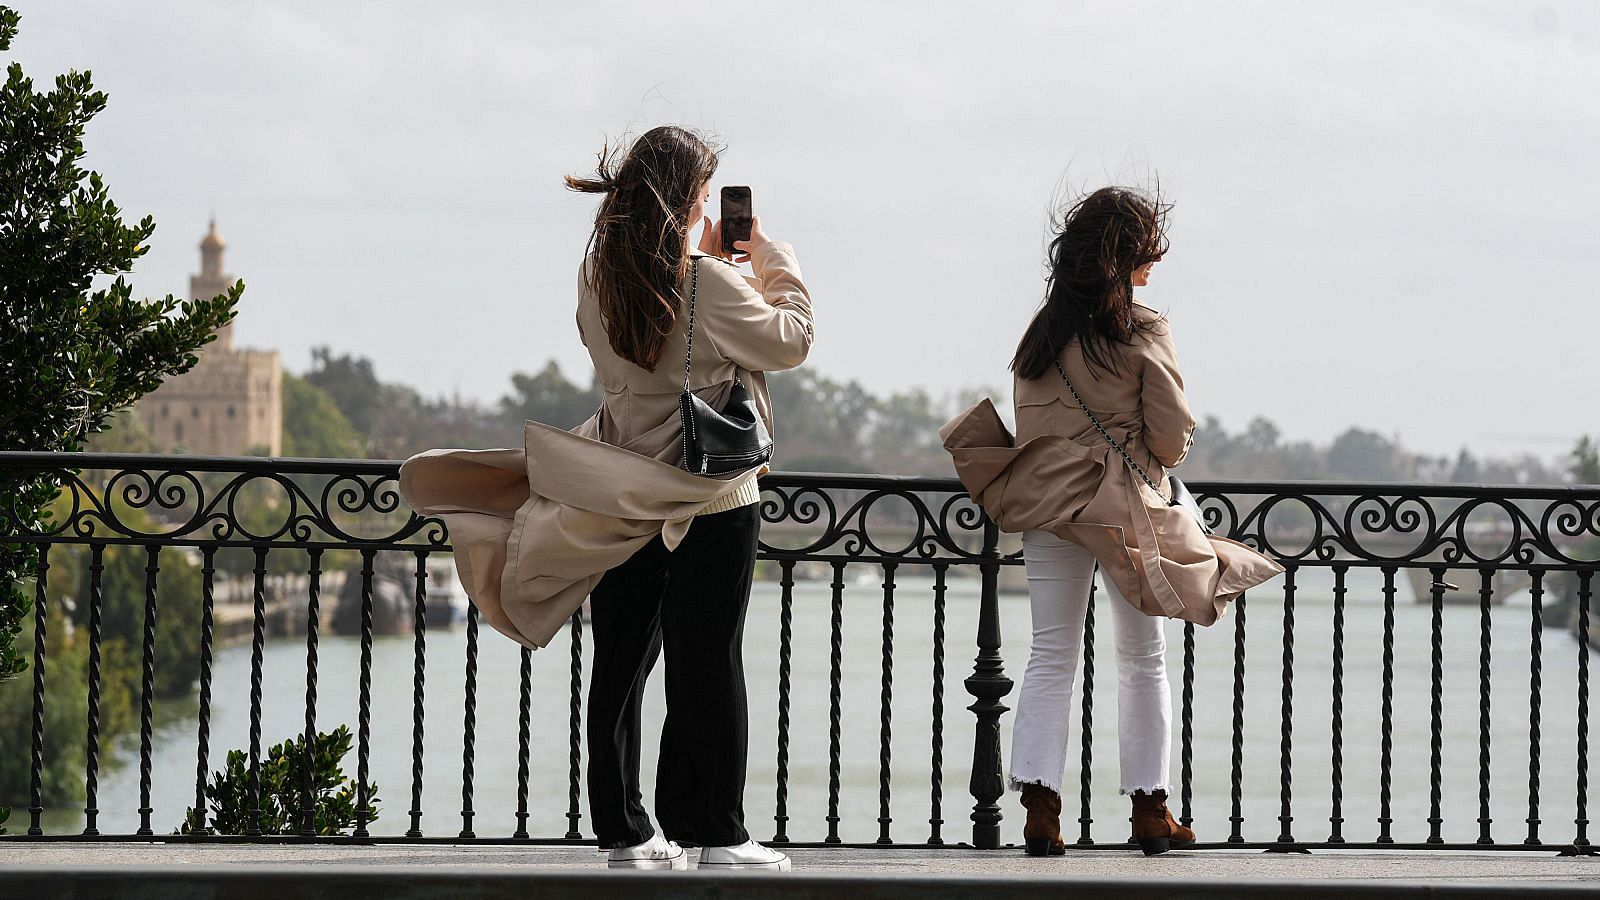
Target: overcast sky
1384 211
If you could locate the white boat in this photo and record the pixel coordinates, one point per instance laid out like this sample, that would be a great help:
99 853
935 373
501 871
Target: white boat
447 600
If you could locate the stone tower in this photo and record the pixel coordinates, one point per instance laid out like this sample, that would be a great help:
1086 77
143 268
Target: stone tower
211 280
231 402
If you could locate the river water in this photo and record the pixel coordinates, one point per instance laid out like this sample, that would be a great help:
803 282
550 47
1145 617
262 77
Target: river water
497 678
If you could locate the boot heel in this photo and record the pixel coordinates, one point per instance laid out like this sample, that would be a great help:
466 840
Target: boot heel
1038 846
1153 846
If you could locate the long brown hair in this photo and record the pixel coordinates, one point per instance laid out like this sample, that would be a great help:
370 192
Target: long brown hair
639 235
1102 239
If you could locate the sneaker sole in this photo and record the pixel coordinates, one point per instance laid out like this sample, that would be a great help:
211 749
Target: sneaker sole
781 865
679 862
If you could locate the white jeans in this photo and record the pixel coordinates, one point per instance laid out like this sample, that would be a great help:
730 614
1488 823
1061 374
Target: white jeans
1060 574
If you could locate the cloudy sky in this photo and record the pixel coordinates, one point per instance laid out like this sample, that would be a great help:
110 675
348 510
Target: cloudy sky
1385 211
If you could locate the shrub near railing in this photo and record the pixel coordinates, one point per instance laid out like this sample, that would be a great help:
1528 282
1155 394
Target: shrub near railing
287 800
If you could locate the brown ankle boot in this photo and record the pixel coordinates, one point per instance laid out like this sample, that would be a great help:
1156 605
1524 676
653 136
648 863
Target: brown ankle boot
1153 826
1041 834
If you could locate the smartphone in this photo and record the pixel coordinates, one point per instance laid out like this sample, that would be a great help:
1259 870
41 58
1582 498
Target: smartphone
736 215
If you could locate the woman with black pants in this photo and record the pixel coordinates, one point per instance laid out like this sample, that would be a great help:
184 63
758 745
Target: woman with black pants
683 594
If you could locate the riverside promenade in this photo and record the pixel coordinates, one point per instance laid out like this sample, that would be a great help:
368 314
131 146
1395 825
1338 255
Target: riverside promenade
180 871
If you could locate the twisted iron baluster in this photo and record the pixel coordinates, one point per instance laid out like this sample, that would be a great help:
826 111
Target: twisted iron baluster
419 678
1386 715
147 684
1336 816
364 700
469 724
989 685
936 813
524 724
886 704
1186 753
308 802
91 809
36 765
1581 820
1436 712
835 660
1286 742
258 634
1237 777
208 575
785 641
1535 697
1486 596
575 728
1086 731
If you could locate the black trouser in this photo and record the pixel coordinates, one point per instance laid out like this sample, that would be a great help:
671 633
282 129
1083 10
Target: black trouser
692 600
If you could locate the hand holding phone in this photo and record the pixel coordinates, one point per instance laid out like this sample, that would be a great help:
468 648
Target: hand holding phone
757 238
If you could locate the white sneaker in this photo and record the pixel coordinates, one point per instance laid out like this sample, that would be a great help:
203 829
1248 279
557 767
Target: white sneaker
748 855
656 853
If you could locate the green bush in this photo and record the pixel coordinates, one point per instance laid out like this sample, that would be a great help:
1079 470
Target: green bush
282 785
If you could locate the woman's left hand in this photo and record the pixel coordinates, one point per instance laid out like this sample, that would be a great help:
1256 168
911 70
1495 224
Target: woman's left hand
711 238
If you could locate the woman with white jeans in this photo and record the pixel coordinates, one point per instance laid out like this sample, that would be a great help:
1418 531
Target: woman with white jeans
1060 576
1098 399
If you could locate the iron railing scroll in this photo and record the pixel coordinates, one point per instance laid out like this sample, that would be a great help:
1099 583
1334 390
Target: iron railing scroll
1512 551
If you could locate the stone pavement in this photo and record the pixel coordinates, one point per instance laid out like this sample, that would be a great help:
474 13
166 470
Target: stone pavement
831 872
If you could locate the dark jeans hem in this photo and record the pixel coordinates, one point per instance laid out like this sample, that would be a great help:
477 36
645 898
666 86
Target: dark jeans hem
715 841
627 841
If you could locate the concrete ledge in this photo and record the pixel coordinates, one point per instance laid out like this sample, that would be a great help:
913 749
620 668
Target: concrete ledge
127 869
346 882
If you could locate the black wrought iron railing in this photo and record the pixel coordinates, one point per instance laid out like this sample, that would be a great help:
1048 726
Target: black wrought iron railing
1372 694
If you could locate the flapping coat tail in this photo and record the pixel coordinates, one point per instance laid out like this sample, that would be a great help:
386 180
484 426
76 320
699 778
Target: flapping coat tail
535 529
1159 558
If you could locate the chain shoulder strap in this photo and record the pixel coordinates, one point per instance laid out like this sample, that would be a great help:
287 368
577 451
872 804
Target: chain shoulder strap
694 285
694 288
1106 434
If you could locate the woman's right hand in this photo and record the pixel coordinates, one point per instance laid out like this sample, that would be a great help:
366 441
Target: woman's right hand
757 238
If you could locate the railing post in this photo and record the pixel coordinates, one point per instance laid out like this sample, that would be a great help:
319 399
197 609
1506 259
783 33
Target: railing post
988 683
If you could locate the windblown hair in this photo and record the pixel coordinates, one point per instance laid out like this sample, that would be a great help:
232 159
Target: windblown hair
1102 239
640 233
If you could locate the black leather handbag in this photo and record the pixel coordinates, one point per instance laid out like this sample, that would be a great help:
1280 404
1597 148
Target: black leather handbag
716 443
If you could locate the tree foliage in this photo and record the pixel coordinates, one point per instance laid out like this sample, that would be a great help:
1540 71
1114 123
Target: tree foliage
1362 455
820 423
550 398
71 353
313 424
1585 468
351 383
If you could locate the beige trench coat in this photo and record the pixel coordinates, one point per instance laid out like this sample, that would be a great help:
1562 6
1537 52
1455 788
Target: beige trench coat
1059 475
535 529
747 326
